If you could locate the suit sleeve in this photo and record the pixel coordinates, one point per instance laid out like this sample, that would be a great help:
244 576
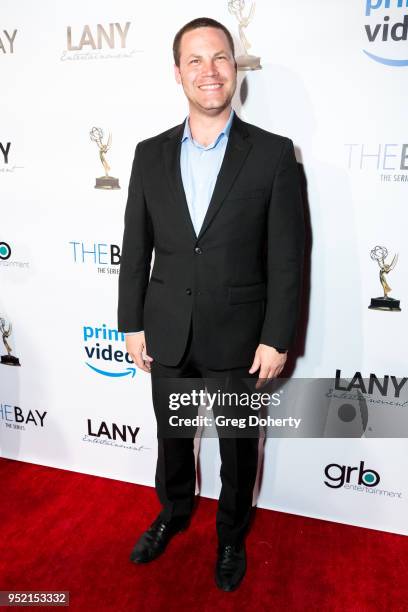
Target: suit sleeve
285 252
136 254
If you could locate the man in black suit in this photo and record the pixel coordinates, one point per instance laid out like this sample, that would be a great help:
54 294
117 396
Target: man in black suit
218 200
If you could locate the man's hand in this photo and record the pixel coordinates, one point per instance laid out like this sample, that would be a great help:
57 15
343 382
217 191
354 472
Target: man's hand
270 363
136 347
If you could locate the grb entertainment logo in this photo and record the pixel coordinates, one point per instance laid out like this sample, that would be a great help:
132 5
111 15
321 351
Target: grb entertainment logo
339 475
104 352
7 261
386 31
5 251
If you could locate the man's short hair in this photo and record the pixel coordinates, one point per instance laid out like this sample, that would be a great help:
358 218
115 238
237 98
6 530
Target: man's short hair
200 22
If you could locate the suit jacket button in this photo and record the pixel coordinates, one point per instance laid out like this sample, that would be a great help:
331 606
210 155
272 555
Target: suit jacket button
188 291
197 250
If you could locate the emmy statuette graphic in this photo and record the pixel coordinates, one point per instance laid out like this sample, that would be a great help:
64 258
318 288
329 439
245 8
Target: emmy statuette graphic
378 254
245 61
5 331
103 182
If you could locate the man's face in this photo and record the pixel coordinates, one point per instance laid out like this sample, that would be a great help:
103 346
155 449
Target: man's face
207 69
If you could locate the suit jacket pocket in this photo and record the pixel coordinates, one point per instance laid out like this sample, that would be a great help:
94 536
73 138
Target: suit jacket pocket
247 293
154 279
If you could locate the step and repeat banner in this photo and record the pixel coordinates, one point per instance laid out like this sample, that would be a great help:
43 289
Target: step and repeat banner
82 83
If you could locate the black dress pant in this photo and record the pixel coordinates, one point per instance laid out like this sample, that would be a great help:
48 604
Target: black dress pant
175 472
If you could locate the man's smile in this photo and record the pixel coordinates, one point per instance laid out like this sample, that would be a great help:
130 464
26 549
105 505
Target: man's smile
210 86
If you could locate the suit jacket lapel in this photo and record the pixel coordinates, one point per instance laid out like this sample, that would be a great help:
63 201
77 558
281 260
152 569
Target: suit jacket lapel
238 147
236 151
171 150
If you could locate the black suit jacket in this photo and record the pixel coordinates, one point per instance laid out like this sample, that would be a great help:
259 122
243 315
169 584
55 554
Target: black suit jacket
240 279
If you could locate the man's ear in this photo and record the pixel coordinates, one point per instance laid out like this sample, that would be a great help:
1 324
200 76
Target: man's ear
177 74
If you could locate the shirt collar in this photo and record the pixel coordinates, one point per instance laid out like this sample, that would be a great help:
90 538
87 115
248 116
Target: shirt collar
224 132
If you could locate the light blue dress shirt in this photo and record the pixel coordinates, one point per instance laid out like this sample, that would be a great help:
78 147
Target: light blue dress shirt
199 170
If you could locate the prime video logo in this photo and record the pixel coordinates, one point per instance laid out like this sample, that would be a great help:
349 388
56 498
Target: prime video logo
386 31
103 349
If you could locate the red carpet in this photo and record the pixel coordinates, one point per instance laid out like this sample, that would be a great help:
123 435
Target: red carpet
66 531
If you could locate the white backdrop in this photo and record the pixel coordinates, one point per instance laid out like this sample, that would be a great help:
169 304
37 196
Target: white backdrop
344 110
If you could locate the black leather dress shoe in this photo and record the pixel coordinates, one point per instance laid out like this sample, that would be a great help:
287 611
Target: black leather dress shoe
153 541
231 567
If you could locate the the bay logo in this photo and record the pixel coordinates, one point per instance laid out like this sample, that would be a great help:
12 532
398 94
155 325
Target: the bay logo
104 352
388 159
338 475
104 256
7 41
14 417
386 34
